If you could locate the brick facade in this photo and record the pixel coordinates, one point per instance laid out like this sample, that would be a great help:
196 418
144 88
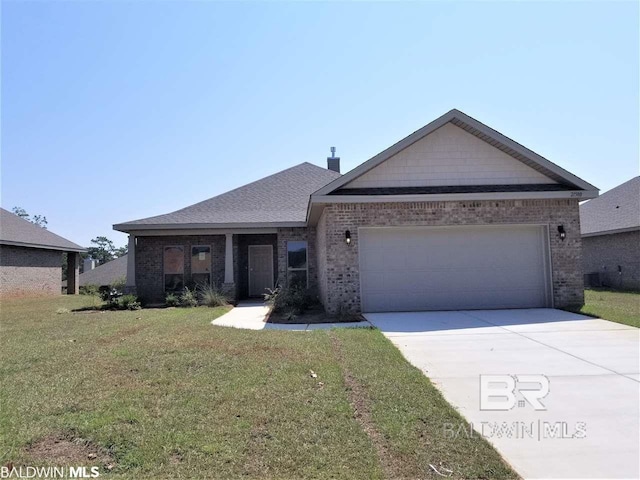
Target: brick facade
340 282
30 271
603 254
149 262
333 266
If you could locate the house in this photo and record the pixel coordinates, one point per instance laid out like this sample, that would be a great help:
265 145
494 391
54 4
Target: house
610 227
103 275
31 258
454 216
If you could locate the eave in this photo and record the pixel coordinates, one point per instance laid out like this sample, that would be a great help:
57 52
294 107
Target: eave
610 232
204 228
42 247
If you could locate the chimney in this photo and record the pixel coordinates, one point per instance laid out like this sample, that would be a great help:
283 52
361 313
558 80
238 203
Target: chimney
333 162
89 264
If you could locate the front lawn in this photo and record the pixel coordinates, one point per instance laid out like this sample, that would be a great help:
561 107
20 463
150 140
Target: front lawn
163 394
620 307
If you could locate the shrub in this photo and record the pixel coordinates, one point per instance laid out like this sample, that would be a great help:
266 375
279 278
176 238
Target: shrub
126 302
171 300
212 297
90 290
188 298
294 300
118 284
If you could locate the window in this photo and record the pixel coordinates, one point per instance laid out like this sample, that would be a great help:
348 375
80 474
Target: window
201 265
297 264
173 269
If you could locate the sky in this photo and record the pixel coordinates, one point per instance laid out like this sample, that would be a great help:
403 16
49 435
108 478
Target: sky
114 110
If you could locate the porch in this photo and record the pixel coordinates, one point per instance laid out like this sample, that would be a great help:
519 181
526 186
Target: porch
243 263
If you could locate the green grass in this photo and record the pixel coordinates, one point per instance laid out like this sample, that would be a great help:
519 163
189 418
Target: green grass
620 307
167 395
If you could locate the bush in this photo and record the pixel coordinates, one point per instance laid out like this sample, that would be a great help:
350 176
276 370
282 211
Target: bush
171 300
126 302
293 300
90 290
210 296
188 298
118 284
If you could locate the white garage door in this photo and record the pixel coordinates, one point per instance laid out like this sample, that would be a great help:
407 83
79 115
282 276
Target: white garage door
453 268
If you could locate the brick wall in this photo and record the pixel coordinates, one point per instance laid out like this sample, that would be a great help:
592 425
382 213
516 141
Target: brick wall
604 253
300 234
30 271
340 286
149 262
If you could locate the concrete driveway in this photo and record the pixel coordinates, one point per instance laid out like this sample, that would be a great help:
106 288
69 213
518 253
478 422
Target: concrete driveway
589 427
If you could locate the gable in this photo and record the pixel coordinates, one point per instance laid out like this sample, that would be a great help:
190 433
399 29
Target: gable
449 156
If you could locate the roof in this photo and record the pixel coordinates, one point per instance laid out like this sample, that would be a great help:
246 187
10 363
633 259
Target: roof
480 130
22 233
614 211
106 273
280 199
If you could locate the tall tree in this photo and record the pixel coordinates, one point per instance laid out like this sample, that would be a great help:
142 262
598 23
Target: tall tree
39 220
102 250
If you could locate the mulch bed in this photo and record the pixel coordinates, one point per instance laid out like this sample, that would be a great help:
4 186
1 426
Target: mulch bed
310 316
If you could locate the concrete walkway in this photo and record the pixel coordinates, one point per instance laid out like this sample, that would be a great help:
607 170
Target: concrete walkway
251 316
590 424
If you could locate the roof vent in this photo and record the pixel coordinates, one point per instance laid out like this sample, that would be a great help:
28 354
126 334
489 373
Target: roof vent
333 162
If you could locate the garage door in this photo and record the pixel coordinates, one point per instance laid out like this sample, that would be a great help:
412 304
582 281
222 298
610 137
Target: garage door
453 268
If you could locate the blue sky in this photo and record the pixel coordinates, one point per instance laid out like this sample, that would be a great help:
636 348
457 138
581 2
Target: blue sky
113 110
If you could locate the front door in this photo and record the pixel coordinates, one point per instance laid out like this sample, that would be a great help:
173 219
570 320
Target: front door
260 269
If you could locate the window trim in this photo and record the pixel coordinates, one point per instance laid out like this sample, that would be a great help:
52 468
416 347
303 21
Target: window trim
210 262
164 274
306 269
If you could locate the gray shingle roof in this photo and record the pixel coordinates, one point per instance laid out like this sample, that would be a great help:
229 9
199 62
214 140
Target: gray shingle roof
20 232
106 273
617 209
278 199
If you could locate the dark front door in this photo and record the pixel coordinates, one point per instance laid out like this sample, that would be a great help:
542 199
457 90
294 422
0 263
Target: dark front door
260 269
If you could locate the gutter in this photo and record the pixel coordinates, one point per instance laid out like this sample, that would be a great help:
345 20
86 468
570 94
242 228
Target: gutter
129 227
43 247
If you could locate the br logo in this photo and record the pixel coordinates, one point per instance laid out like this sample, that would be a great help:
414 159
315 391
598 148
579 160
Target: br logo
504 392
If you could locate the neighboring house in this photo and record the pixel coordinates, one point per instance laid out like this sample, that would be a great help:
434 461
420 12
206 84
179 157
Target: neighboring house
103 275
31 258
610 226
454 216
